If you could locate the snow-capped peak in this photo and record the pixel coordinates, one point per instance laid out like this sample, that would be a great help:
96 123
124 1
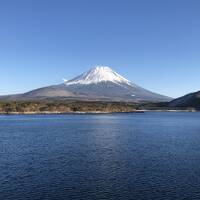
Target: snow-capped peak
99 74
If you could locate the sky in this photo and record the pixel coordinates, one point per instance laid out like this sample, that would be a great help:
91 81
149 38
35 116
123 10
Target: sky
154 43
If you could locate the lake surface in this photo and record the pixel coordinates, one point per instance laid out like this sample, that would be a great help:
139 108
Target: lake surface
150 156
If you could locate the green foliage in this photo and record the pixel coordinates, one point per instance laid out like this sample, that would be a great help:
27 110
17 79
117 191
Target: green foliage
76 106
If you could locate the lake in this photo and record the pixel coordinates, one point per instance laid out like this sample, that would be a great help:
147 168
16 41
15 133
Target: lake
149 156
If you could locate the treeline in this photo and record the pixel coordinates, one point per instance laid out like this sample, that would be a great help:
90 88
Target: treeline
64 107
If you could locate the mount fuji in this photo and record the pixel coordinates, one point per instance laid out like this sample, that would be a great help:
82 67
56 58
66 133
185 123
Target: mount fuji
100 83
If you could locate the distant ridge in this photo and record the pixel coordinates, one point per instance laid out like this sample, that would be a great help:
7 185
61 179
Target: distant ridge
191 100
100 83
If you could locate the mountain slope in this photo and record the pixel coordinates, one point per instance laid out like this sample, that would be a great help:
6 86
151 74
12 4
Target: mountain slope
100 83
189 100
99 74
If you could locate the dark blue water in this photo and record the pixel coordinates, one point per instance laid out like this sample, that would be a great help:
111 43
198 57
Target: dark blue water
96 157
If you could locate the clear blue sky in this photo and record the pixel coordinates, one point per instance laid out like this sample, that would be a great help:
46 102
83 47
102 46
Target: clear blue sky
154 43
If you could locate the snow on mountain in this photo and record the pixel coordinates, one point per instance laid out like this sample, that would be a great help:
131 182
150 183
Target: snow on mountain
99 74
100 83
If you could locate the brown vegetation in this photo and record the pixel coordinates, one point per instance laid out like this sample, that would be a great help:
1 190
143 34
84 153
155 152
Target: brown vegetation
65 107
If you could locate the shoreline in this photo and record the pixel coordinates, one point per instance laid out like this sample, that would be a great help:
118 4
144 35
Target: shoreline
61 113
90 112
